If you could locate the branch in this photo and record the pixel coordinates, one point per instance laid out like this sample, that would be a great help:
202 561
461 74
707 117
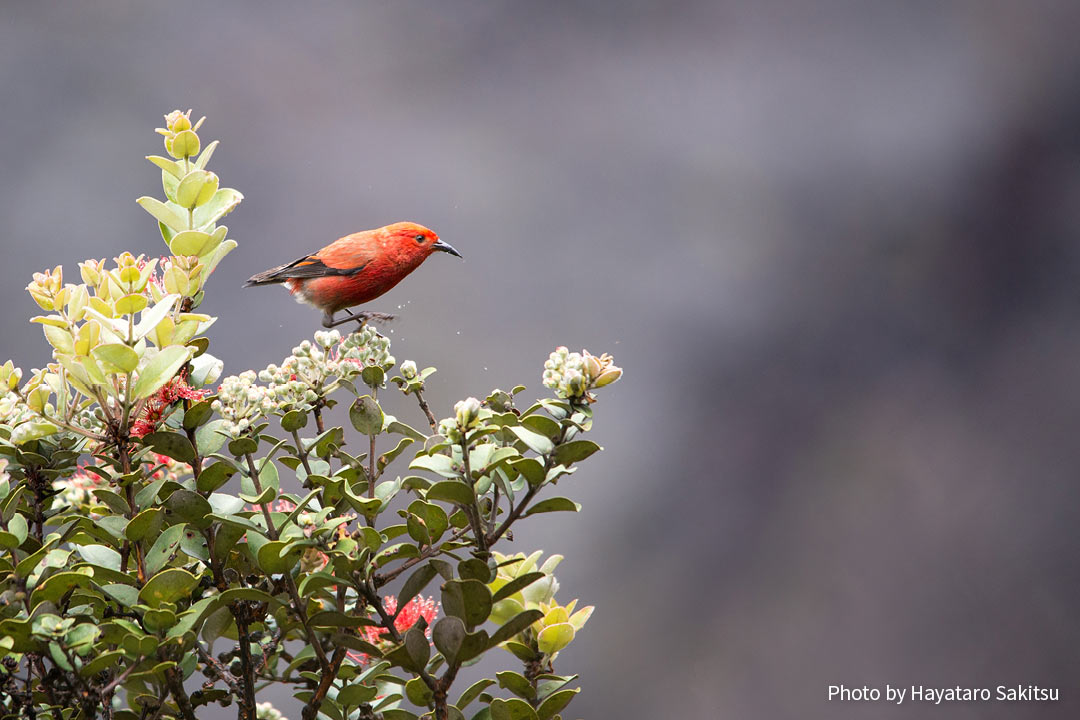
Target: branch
176 688
514 514
427 410
299 607
219 669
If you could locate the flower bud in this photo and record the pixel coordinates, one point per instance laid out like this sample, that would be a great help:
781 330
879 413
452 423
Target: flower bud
91 270
177 121
467 412
408 370
9 376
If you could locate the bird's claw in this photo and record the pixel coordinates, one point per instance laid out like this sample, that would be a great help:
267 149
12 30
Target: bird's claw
362 318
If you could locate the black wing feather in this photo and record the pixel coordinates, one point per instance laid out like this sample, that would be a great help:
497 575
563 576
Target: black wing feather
305 267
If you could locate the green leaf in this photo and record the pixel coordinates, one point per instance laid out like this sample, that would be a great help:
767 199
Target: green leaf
204 158
277 556
294 420
185 144
366 415
530 468
555 504
99 555
243 446
167 586
116 358
166 214
438 464
555 703
416 645
196 188
414 585
205 368
8 540
145 523
516 584
190 242
543 425
373 376
448 634
400 428
398 714
469 600
58 585
515 625
189 507
126 595
516 683
211 437
164 548
512 709
150 318
222 203
29 431
172 444
536 442
17 527
169 166
131 304
475 569
574 451
355 694
214 476
554 638
453 491
161 369
197 415
473 692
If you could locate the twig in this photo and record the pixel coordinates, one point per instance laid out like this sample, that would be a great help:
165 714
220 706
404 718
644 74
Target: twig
426 553
514 514
427 410
176 688
220 670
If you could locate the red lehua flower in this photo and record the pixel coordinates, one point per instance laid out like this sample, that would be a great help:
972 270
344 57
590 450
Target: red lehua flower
418 607
283 506
156 404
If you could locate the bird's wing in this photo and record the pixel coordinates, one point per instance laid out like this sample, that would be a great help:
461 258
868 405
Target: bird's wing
309 266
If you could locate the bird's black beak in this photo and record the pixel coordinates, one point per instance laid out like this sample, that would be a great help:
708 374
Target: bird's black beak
446 248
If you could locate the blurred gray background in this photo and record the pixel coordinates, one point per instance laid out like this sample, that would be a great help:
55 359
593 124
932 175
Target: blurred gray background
834 248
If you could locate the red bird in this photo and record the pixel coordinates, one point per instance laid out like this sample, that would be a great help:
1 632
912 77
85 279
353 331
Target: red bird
355 269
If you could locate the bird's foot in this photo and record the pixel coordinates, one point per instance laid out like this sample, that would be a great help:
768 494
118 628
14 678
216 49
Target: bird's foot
362 318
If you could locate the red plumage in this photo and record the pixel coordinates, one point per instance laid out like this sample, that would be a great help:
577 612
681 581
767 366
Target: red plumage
355 269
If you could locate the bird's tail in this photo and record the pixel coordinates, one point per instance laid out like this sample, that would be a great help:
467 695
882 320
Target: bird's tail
266 277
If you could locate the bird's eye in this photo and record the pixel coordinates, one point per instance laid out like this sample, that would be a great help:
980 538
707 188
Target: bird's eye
420 238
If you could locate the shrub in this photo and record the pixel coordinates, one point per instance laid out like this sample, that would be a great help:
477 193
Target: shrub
157 522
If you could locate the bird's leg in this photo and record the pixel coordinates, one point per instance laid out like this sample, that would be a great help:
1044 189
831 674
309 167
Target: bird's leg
362 318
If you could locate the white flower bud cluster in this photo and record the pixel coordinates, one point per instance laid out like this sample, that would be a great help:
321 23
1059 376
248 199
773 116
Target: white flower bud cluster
573 375
241 402
291 384
366 348
467 413
13 411
266 711
448 429
408 370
